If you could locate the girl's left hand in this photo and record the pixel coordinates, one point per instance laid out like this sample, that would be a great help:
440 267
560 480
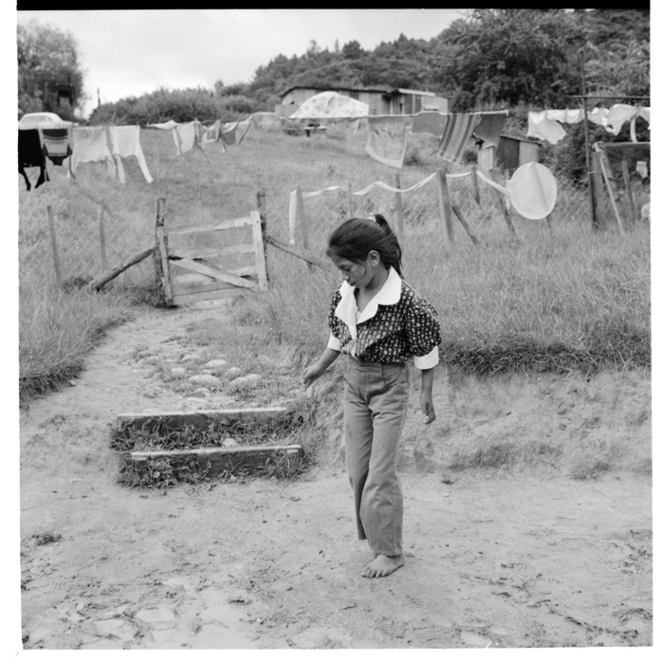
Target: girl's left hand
426 402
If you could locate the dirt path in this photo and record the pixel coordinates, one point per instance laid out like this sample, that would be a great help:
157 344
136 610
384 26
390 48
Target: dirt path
502 560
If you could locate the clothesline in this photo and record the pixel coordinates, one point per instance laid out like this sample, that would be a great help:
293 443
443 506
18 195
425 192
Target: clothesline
293 202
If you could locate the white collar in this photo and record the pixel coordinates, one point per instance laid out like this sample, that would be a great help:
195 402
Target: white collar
346 310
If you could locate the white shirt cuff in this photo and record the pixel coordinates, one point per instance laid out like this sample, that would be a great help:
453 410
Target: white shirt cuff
428 361
333 343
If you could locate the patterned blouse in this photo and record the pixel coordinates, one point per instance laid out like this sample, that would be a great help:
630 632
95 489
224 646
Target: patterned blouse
396 325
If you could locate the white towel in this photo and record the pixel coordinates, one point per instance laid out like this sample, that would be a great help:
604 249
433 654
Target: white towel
126 141
91 145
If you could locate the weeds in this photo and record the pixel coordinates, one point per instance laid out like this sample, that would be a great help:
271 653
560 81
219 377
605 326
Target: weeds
48 537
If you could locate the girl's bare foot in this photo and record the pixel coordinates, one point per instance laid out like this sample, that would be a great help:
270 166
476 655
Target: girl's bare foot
382 565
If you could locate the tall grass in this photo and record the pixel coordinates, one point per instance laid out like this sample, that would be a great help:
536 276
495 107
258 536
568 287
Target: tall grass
56 331
566 298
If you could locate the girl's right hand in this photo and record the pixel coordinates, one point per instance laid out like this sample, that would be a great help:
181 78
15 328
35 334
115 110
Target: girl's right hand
312 373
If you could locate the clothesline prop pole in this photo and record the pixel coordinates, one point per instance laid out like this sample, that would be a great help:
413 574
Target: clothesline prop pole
596 176
399 208
609 189
628 192
586 132
503 206
445 207
463 222
102 239
54 247
303 221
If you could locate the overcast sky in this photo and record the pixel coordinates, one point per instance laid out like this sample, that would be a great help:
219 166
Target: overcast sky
128 53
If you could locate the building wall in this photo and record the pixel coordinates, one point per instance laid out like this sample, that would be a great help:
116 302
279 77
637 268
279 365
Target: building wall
379 104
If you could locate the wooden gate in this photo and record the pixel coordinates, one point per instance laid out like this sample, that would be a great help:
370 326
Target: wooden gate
204 262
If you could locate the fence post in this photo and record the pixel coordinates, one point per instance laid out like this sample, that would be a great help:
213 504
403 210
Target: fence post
262 210
596 175
54 246
473 179
161 255
628 191
445 207
102 240
399 206
304 222
350 200
503 206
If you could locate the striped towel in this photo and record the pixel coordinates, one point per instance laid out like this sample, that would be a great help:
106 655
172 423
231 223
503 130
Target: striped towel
56 144
459 128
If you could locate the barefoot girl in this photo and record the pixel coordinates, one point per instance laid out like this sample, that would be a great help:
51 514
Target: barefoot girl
380 322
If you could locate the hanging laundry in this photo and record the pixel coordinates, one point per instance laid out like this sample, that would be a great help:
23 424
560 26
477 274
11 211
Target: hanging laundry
459 128
188 137
126 141
387 138
567 116
490 126
56 144
545 125
599 116
621 113
228 135
429 122
542 127
31 154
228 132
90 146
212 132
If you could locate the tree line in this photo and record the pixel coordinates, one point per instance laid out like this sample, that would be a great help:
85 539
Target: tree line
493 58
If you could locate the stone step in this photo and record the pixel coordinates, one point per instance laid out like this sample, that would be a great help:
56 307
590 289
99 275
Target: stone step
214 461
201 419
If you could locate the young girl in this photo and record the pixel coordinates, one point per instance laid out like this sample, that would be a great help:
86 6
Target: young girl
380 322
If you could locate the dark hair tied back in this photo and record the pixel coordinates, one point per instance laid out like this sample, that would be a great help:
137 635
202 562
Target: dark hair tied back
355 237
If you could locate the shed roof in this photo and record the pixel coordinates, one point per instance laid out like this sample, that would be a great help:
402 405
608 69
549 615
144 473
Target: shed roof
381 90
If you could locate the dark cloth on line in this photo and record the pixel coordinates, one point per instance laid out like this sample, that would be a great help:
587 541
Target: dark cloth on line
228 137
30 154
430 122
490 127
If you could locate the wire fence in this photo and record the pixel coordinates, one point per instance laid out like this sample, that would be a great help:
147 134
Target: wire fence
480 214
81 241
70 248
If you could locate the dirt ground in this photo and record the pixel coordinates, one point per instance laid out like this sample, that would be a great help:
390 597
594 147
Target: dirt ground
499 558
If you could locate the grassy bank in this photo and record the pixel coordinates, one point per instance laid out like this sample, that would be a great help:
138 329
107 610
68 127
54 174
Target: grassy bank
56 332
